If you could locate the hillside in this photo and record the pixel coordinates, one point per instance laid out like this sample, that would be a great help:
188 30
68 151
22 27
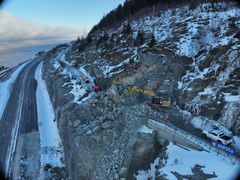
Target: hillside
188 55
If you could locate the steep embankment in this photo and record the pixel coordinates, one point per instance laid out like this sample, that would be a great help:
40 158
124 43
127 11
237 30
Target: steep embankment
188 55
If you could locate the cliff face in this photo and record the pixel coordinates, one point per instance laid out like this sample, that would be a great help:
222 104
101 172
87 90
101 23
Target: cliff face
193 60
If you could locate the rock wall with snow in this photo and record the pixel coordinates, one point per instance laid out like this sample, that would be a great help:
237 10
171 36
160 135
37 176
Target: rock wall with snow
194 62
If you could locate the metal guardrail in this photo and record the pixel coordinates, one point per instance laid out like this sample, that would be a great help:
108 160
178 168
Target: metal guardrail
194 139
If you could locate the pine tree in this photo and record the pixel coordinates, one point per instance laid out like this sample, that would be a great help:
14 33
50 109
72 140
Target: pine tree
140 38
102 39
127 29
89 39
105 37
152 41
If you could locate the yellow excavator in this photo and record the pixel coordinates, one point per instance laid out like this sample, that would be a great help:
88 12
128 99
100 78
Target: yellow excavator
156 100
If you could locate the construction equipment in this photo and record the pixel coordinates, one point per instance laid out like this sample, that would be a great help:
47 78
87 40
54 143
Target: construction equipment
156 100
74 63
86 79
159 101
96 88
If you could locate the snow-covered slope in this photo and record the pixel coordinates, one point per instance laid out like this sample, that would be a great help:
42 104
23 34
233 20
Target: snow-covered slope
180 159
209 35
188 31
206 34
194 63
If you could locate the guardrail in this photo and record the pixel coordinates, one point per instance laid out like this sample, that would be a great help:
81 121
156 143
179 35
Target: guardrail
194 139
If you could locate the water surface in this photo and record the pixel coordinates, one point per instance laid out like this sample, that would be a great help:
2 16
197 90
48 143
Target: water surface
14 52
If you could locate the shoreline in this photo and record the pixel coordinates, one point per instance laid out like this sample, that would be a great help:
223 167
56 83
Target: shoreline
15 52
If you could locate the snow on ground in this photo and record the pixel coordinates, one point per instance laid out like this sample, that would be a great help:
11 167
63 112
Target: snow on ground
231 98
145 129
81 90
78 91
181 161
207 90
5 87
198 141
195 32
236 141
110 70
86 73
223 168
143 175
4 70
50 142
208 124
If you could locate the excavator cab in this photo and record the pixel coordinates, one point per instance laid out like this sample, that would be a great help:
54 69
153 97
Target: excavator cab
160 102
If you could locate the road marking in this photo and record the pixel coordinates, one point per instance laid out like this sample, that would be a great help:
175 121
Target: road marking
12 147
14 134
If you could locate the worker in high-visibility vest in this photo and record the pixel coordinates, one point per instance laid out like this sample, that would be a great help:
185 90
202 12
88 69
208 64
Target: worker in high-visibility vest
166 118
96 88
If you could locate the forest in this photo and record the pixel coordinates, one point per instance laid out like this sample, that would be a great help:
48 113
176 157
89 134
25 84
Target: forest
136 8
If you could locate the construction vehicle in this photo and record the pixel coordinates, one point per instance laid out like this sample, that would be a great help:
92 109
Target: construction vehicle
86 79
156 100
96 88
74 63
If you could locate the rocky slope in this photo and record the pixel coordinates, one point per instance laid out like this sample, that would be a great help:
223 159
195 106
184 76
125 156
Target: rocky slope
194 62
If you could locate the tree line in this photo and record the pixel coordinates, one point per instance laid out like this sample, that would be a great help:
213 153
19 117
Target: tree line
131 7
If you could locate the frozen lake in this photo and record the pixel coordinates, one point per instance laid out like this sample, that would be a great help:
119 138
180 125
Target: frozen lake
13 53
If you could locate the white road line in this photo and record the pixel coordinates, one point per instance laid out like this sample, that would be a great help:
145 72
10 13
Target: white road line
5 89
14 134
12 147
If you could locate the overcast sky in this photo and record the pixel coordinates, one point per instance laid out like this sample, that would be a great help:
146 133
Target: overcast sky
31 19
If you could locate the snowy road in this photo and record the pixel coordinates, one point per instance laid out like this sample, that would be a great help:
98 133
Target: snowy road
20 113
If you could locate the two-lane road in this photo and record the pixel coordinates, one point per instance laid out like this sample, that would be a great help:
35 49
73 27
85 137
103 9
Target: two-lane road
20 114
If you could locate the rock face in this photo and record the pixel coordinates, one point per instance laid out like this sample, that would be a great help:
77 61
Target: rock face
218 89
144 150
101 135
104 132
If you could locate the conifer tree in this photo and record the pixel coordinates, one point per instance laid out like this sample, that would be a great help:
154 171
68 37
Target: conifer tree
127 29
140 38
152 41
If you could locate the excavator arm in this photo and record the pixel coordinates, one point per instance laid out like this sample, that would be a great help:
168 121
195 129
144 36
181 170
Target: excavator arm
144 91
156 100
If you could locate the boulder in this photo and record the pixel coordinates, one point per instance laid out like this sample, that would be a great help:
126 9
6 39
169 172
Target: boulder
205 63
110 117
107 124
212 110
113 93
116 176
76 123
165 89
123 172
89 133
144 150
